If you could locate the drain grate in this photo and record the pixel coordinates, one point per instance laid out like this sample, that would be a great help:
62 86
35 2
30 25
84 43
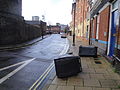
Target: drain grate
98 62
96 58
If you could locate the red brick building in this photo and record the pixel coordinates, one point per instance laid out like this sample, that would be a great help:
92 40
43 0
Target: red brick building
53 29
104 25
80 13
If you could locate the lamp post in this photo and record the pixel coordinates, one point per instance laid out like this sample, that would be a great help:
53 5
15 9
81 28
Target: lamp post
74 11
41 26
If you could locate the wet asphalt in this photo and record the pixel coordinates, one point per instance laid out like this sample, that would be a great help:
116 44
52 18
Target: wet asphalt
21 68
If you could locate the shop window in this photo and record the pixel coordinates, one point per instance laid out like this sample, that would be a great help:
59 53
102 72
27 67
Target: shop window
115 5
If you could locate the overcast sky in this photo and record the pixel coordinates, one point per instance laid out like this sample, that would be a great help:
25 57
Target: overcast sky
54 10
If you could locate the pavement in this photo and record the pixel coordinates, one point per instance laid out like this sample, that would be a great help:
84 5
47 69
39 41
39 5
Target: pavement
97 74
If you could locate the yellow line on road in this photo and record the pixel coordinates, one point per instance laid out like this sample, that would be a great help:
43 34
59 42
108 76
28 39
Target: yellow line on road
31 88
43 78
44 75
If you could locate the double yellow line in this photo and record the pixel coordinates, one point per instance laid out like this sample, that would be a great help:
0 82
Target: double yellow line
41 78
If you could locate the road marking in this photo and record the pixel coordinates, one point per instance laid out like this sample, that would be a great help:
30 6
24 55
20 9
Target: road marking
66 47
41 76
44 75
15 71
12 65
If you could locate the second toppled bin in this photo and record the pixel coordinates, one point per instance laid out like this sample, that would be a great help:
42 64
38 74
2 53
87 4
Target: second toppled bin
88 51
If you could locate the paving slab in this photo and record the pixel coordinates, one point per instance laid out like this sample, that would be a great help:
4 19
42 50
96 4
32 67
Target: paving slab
91 83
58 81
102 71
75 81
65 88
101 88
82 88
52 87
83 76
108 83
97 76
88 70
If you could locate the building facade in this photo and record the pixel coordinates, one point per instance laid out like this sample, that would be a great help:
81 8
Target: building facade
80 18
105 27
53 29
104 31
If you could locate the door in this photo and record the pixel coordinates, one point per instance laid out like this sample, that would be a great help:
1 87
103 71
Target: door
115 23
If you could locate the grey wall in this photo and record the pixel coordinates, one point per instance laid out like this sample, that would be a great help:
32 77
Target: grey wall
13 31
11 6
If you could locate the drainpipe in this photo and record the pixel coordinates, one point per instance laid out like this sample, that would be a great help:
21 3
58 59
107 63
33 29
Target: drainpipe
74 8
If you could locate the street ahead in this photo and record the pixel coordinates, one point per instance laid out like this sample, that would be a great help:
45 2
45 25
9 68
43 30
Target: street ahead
21 69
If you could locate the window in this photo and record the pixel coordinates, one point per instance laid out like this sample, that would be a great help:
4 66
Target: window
115 5
98 21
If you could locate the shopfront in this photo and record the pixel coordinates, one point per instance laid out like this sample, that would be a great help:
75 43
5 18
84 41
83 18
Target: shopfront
115 30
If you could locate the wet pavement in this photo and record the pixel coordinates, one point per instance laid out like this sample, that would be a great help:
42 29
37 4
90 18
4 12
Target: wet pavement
21 68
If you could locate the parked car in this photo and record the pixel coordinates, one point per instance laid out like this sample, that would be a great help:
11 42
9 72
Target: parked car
63 35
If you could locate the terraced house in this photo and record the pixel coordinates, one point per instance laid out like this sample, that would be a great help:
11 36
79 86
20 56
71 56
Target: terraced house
104 22
80 12
104 28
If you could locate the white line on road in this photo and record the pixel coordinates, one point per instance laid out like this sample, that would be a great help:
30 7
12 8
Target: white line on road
15 71
66 47
1 69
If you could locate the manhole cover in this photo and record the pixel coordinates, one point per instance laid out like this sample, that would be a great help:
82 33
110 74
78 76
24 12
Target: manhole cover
98 62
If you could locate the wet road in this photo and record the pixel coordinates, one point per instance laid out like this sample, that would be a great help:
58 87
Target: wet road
21 69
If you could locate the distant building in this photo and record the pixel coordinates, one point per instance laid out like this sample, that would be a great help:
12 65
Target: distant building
35 18
58 28
35 23
53 29
39 24
63 27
